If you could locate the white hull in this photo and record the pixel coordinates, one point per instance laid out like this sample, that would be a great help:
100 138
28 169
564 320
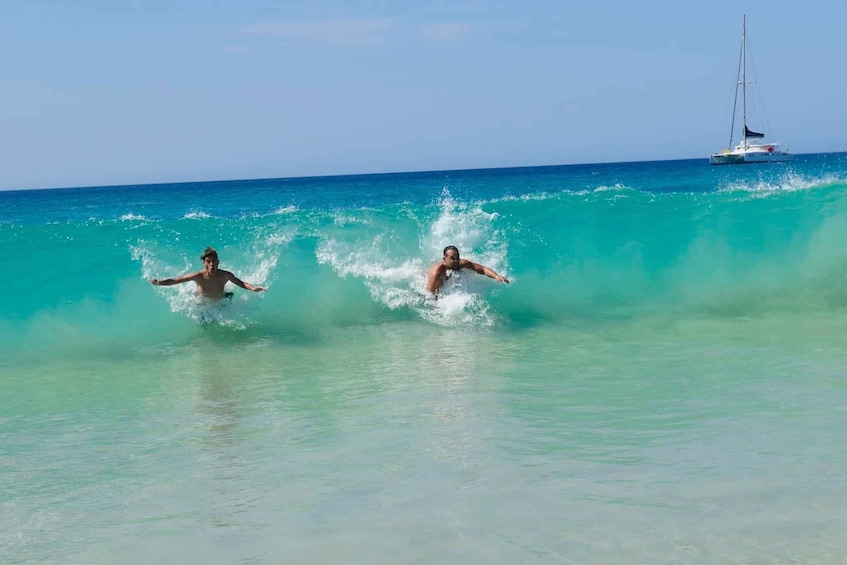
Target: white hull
751 154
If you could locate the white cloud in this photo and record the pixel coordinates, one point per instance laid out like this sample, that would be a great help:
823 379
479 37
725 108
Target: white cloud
355 33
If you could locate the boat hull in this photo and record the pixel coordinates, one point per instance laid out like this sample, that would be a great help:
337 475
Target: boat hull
749 157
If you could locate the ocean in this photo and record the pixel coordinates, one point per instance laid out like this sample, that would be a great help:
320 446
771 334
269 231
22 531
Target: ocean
662 381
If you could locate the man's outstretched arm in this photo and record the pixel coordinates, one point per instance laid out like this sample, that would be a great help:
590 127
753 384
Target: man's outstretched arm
483 270
245 285
175 280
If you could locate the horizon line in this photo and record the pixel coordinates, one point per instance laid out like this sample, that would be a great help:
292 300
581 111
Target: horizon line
384 173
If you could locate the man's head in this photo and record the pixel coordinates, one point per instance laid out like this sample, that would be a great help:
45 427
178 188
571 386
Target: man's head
210 259
451 257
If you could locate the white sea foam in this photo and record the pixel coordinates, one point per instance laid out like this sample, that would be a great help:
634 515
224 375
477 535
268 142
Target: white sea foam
789 182
196 215
614 187
151 265
544 195
340 219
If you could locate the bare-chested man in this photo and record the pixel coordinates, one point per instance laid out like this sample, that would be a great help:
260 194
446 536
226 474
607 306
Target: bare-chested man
440 272
211 280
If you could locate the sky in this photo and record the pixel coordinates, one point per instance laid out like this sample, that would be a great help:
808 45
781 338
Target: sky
110 92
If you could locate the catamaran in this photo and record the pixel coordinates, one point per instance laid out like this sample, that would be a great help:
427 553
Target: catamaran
747 151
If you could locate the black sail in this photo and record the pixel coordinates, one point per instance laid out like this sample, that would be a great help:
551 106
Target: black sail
748 133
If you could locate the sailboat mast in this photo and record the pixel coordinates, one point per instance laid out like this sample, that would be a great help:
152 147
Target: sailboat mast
735 96
745 151
744 77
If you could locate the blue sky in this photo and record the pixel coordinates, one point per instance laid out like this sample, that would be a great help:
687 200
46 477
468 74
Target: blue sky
125 92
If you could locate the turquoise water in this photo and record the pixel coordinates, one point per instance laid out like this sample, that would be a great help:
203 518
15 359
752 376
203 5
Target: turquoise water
662 381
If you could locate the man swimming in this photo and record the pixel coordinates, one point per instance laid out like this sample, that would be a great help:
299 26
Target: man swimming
211 280
440 272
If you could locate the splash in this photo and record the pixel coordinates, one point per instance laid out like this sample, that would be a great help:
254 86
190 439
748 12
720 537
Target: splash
255 266
458 306
397 280
471 229
228 312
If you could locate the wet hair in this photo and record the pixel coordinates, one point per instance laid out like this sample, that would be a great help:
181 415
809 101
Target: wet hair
208 253
449 247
